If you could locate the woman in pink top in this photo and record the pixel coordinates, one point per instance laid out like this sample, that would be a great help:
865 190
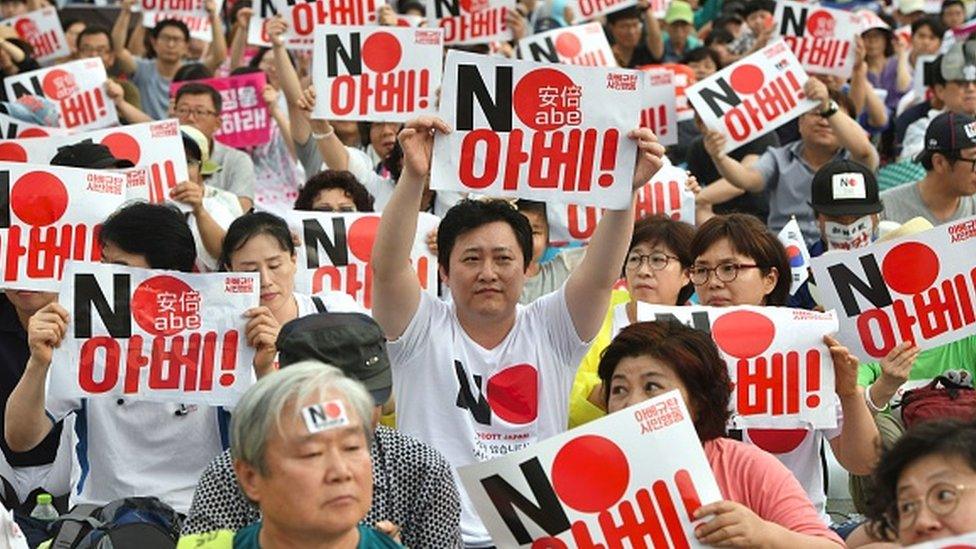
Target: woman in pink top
764 504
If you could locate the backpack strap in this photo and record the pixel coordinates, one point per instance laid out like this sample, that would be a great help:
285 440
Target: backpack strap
72 525
319 304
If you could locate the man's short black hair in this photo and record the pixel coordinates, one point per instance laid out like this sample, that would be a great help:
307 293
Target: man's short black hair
719 36
155 231
620 15
700 54
932 22
196 88
468 214
752 6
950 3
171 23
94 30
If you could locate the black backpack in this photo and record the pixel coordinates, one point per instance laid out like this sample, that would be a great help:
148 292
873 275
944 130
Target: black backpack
127 523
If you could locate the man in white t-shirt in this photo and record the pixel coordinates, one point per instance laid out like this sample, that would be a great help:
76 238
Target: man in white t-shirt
484 376
122 447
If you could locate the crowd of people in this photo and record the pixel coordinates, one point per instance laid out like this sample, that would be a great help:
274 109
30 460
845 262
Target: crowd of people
551 332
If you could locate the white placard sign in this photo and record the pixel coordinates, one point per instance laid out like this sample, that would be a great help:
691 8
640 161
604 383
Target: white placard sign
78 89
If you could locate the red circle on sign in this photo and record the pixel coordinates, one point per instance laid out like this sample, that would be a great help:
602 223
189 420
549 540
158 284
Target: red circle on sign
360 236
473 6
39 198
777 441
590 473
513 394
59 84
910 268
161 305
382 52
743 334
12 152
33 132
332 410
568 45
123 146
821 24
747 79
541 90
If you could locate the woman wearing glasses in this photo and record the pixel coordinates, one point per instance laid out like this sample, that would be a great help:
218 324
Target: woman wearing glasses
737 261
926 485
655 272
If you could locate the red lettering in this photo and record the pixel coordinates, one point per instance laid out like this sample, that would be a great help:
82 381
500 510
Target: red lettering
110 375
878 319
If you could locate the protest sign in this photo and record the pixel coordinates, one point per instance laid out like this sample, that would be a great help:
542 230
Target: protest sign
778 363
658 8
682 77
579 45
244 118
919 288
471 21
821 38
42 30
12 128
659 112
334 253
592 9
753 96
155 146
160 336
665 194
303 16
796 251
385 74
922 62
538 131
904 34
51 214
78 88
965 541
199 25
567 490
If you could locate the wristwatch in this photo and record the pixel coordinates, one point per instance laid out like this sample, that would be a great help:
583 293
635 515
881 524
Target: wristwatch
831 109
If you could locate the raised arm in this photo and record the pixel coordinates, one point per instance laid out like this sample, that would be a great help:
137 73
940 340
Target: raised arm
120 30
738 174
655 39
239 41
26 423
333 151
588 287
218 43
858 446
849 133
396 290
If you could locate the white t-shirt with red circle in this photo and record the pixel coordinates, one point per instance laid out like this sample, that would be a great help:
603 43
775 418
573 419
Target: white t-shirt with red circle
472 403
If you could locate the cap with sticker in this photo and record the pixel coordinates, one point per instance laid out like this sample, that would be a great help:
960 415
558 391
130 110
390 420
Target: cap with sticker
325 415
847 186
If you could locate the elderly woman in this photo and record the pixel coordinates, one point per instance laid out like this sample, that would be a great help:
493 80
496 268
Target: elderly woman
300 442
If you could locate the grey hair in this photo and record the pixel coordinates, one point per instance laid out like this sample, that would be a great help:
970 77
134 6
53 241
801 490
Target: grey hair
283 392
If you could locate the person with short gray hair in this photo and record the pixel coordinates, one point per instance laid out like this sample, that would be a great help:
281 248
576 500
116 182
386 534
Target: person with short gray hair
300 444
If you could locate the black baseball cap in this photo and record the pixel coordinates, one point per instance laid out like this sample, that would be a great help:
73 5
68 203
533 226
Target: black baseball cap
947 133
88 154
845 187
352 342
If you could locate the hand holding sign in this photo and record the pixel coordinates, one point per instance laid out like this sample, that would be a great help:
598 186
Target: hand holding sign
733 525
845 368
46 329
261 332
417 141
817 91
650 155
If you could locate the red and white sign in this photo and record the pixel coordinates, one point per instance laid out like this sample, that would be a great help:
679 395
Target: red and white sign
592 9
303 16
585 45
965 541
904 33
683 77
780 367
12 128
50 215
244 117
387 74
665 194
537 130
42 30
919 288
753 96
175 7
660 109
471 21
159 336
334 251
199 25
821 38
154 147
78 88
652 474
